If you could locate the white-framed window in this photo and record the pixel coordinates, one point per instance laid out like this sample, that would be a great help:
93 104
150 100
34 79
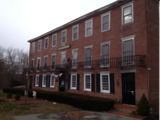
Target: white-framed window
45 62
87 82
127 13
53 66
63 59
74 58
44 80
39 45
128 49
88 56
46 42
54 40
33 47
88 27
73 81
37 80
105 82
32 64
38 63
64 36
75 30
105 22
105 53
52 81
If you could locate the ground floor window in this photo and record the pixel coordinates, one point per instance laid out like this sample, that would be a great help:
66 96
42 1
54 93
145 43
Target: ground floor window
52 80
37 80
105 82
87 82
73 81
44 81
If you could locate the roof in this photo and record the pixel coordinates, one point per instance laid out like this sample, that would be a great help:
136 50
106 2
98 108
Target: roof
84 17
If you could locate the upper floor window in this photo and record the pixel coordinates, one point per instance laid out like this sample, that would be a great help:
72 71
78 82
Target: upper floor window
39 45
73 81
46 42
63 59
64 36
38 63
33 47
54 40
127 13
74 59
32 64
105 22
75 32
53 61
88 56
45 62
88 28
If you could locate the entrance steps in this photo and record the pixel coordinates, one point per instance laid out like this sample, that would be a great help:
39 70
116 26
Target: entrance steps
125 108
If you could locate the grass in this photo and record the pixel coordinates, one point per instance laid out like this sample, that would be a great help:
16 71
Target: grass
4 95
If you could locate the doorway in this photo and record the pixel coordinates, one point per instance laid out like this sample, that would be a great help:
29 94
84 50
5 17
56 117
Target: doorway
62 83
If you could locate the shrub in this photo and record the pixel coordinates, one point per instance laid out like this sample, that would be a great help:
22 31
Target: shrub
143 106
9 95
17 96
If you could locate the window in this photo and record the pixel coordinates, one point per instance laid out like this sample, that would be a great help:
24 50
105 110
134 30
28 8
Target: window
53 61
33 47
37 80
105 53
73 81
127 13
44 81
64 36
63 59
45 62
74 59
87 82
46 42
52 80
128 49
54 40
105 22
39 45
32 64
105 82
88 55
38 63
88 28
75 32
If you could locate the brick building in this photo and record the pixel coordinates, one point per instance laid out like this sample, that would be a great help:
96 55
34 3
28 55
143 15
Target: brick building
111 52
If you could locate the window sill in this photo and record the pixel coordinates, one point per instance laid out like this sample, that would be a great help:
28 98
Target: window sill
105 91
123 25
87 66
54 46
88 35
36 85
51 86
74 67
87 89
43 86
102 66
102 31
74 39
73 88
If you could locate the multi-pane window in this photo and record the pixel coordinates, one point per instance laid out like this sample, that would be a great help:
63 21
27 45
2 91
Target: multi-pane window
88 53
32 64
45 62
127 14
105 83
52 80
44 81
128 51
75 32
46 43
37 80
105 55
54 39
63 59
38 63
73 81
105 22
87 82
88 28
64 36
53 61
33 47
39 45
74 59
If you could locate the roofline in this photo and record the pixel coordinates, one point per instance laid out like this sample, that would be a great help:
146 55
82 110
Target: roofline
84 17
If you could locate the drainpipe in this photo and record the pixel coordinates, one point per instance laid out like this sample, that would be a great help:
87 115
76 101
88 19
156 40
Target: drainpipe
148 79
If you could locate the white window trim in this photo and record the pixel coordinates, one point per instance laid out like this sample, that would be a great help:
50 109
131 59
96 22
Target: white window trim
45 42
51 60
74 88
65 57
46 56
125 5
85 54
52 40
39 63
36 81
52 86
104 73
104 43
85 89
104 14
40 45
90 20
43 81
77 32
33 47
62 35
77 56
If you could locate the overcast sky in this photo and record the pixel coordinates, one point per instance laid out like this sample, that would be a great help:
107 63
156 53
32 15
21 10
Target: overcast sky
22 20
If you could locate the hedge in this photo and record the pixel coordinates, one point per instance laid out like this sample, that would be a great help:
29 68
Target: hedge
77 100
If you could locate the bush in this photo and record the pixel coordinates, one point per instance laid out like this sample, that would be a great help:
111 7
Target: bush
9 95
143 106
17 96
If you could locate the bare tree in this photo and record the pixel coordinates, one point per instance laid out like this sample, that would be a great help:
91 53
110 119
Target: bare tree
2 65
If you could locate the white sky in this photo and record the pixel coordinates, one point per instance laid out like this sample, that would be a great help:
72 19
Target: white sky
22 20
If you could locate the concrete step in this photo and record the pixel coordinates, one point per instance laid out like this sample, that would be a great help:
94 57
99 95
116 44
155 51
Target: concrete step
125 108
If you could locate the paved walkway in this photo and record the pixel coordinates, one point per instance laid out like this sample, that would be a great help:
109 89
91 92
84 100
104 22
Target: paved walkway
56 116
